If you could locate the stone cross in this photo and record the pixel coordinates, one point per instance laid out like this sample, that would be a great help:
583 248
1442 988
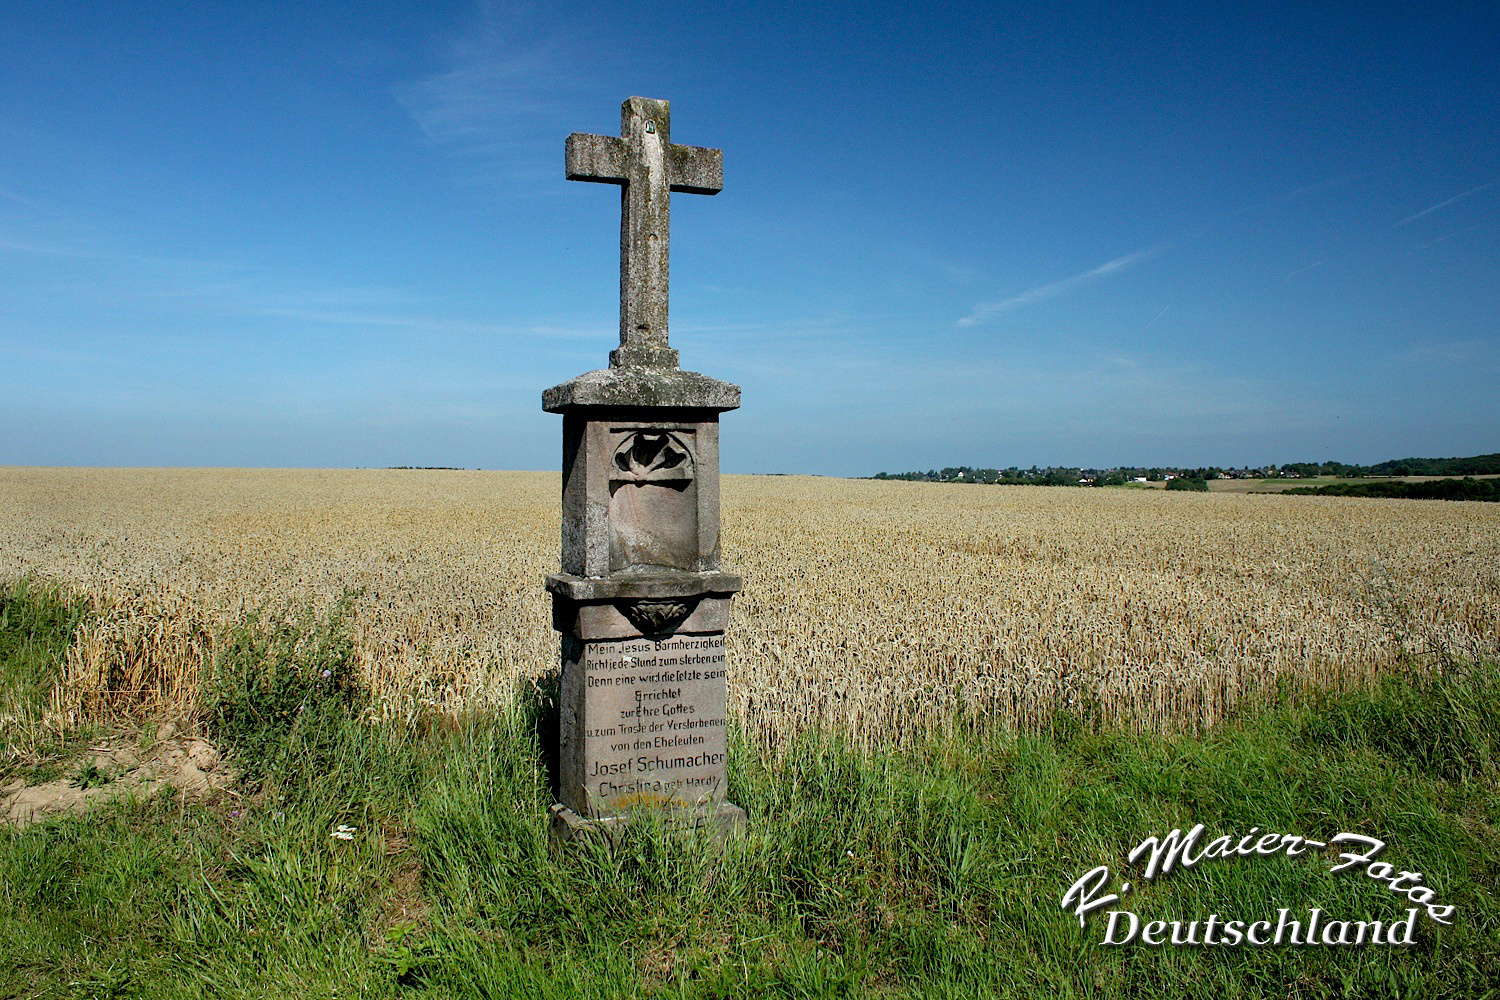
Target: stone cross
641 600
649 166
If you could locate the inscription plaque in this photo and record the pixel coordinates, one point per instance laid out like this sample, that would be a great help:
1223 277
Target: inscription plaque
652 724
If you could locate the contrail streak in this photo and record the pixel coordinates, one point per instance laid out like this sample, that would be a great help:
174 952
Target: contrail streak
1443 204
987 309
1153 321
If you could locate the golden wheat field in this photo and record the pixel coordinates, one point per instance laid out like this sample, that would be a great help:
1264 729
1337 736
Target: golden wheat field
881 609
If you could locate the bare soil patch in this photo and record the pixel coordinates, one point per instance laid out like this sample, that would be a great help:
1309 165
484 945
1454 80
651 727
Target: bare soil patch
115 770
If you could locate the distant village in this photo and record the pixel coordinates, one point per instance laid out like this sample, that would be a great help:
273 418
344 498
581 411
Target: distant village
1478 465
1060 476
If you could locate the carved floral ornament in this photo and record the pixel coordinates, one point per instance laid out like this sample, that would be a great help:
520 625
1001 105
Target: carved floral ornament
652 457
658 617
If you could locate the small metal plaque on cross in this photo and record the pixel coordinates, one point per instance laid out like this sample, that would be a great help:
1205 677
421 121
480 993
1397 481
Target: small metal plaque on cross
649 166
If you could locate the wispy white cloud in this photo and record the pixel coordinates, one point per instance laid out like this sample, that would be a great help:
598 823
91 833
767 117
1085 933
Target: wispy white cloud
1053 289
427 323
1442 204
102 266
1332 182
1465 354
1444 238
1309 267
43 249
73 240
1087 403
504 84
957 273
10 195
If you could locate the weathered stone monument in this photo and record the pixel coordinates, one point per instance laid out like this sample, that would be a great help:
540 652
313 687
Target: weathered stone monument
641 602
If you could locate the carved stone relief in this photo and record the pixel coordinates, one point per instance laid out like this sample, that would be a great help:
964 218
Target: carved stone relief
653 506
659 616
652 457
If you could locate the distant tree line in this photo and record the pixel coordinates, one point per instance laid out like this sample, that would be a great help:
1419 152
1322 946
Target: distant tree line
1435 489
1053 476
1012 476
1478 465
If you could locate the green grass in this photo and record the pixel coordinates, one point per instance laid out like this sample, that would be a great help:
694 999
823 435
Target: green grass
36 625
935 872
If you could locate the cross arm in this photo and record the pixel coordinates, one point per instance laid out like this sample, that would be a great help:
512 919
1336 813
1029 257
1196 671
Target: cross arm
694 169
599 158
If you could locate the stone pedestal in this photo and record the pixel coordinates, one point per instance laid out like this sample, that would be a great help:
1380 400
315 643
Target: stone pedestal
641 602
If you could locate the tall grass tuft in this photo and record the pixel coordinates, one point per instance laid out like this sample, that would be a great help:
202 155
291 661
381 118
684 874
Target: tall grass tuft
1442 724
37 623
279 695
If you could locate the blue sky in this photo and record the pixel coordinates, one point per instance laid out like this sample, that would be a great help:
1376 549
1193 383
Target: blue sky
339 234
